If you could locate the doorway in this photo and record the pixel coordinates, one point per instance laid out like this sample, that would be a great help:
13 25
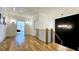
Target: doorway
20 32
20 26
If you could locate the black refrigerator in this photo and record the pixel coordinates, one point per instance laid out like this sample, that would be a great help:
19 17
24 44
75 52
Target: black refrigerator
67 29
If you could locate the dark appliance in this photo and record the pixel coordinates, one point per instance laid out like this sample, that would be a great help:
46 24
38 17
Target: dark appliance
18 30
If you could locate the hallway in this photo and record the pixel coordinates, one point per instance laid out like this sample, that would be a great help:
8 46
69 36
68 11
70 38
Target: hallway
38 29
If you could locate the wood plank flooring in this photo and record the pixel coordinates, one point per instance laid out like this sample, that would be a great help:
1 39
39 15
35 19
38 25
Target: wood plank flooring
30 44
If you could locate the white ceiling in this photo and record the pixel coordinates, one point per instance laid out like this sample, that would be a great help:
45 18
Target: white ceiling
35 10
30 10
22 12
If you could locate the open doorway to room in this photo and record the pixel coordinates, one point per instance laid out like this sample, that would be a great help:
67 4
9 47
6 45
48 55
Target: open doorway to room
20 32
20 26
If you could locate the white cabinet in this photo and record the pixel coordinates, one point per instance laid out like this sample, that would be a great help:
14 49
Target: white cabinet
2 32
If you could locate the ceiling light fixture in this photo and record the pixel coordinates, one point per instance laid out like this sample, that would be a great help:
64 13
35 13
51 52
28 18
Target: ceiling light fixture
12 21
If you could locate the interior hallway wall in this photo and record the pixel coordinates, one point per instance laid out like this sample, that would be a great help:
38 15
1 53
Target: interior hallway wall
11 29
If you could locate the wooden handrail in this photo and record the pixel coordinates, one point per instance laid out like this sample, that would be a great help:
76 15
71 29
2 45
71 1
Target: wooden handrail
51 35
37 31
46 35
43 30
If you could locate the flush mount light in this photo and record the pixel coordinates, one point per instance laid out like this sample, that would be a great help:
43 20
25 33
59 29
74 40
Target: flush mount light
12 21
65 26
28 22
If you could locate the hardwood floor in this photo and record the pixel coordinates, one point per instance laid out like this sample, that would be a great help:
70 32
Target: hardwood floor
30 44
5 45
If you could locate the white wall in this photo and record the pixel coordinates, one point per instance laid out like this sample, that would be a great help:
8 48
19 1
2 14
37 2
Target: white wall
11 29
29 26
45 22
32 32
